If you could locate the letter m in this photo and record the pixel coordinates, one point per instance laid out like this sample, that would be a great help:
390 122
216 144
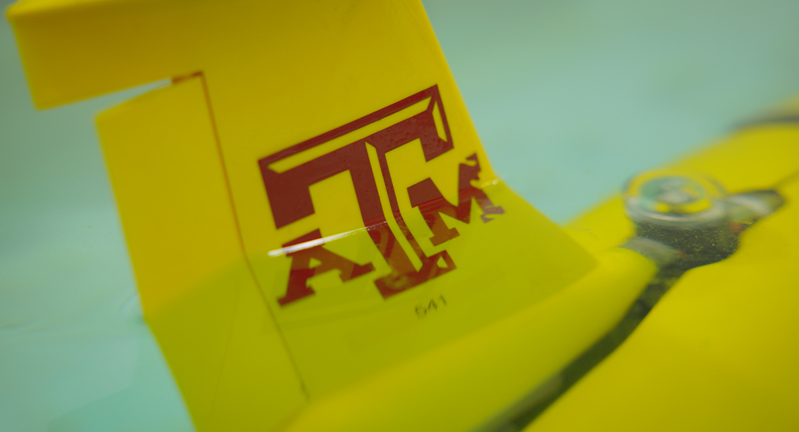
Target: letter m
426 196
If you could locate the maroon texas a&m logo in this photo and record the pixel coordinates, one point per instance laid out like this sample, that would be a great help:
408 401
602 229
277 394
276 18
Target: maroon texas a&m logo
290 198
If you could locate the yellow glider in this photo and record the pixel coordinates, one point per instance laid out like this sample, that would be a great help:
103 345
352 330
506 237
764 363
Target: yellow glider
321 244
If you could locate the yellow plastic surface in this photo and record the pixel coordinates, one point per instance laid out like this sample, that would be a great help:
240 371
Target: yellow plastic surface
717 353
312 219
465 383
415 291
197 291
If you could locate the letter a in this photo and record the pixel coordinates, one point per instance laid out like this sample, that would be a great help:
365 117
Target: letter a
301 269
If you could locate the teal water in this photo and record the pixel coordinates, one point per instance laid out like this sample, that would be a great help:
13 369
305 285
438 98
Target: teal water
570 99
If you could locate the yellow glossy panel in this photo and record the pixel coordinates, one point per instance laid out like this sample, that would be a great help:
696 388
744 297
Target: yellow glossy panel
279 74
463 384
197 291
164 245
369 221
360 338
